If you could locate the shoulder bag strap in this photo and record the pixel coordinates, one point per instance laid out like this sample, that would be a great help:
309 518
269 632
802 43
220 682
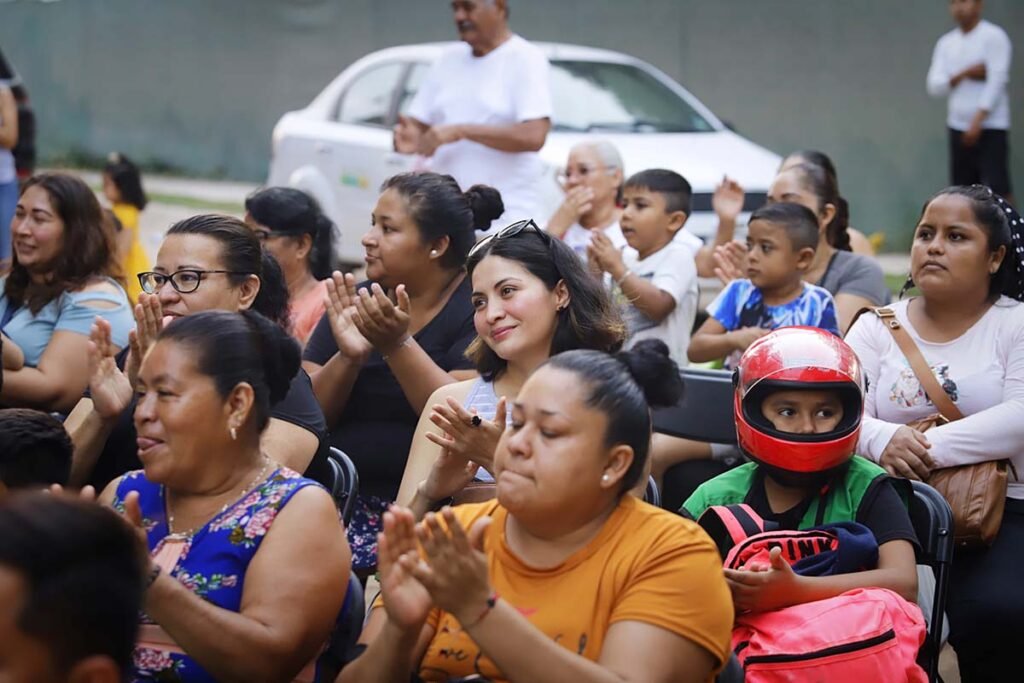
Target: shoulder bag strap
924 374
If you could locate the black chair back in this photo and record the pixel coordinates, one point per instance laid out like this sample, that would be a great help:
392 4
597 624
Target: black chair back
933 523
705 411
347 629
345 487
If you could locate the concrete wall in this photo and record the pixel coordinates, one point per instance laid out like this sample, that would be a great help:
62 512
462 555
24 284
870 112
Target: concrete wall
198 84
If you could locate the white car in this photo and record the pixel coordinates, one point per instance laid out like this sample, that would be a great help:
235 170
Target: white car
339 148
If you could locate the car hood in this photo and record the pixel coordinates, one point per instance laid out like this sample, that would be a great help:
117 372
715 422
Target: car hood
702 158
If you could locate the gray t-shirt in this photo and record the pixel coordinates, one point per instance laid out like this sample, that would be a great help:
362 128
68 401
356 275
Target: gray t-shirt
856 274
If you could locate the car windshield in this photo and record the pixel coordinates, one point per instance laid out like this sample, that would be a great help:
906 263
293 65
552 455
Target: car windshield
595 96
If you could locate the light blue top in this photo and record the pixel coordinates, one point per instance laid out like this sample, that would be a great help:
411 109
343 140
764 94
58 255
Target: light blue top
482 398
72 312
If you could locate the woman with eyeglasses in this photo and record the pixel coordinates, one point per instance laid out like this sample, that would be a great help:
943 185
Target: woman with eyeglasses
565 577
61 278
205 263
532 298
592 181
300 237
386 344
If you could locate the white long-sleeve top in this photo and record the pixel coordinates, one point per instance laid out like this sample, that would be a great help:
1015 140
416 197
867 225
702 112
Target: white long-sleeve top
986 43
982 371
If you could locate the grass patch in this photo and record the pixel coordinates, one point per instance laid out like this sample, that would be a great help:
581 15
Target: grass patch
194 203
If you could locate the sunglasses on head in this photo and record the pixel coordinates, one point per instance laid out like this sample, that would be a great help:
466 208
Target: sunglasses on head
512 230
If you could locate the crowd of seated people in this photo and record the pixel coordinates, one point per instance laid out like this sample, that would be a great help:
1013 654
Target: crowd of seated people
495 397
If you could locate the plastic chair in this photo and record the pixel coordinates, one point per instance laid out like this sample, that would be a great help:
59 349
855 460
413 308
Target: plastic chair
345 486
652 495
348 627
932 519
704 414
705 411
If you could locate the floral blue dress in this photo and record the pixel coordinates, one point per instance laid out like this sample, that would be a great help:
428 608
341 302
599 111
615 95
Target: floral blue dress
211 562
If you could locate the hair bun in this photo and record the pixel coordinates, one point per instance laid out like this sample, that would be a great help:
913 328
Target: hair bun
486 204
280 354
654 371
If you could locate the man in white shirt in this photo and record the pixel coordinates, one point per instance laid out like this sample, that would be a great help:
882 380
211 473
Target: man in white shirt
971 65
484 109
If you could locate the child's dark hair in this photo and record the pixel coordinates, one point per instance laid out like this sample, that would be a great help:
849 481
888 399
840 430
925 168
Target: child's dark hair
294 213
673 187
799 222
83 578
589 321
823 185
624 387
232 348
35 449
126 177
992 219
440 208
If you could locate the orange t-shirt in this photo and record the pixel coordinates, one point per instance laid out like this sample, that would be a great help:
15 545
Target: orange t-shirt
645 565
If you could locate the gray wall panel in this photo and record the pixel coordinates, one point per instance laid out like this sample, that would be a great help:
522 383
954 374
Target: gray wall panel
198 84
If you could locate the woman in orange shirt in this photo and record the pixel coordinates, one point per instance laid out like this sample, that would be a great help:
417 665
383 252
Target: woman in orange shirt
300 237
565 576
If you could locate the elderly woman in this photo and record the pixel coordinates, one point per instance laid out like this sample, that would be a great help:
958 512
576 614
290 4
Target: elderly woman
301 239
532 298
60 280
205 263
384 347
592 181
968 324
249 563
566 567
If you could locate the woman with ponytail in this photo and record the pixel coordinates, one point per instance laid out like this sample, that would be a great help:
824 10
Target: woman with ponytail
300 237
248 561
565 577
854 280
206 262
386 344
968 323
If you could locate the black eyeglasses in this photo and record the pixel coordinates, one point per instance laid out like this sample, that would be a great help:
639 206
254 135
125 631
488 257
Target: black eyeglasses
183 281
512 230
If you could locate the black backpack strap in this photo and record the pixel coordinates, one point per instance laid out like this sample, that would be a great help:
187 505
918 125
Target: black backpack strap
728 525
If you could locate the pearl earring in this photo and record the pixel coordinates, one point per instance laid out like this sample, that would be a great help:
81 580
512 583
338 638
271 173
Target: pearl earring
604 478
234 434
433 252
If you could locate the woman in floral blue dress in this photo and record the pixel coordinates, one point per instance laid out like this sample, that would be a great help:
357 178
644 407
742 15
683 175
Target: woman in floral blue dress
249 563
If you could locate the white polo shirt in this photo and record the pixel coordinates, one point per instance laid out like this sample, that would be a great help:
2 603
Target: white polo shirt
988 44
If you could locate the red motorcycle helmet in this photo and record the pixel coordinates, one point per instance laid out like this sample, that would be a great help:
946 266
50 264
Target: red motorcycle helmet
798 358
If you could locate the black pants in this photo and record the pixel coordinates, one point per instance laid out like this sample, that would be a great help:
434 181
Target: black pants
987 162
986 604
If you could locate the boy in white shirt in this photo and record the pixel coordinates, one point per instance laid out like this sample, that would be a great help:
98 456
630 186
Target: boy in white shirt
657 283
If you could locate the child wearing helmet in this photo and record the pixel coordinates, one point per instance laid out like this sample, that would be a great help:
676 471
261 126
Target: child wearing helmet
798 404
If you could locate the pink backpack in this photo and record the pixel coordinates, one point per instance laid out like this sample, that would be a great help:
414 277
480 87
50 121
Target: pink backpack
862 636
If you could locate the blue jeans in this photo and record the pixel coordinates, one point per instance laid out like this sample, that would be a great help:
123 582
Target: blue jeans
8 201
